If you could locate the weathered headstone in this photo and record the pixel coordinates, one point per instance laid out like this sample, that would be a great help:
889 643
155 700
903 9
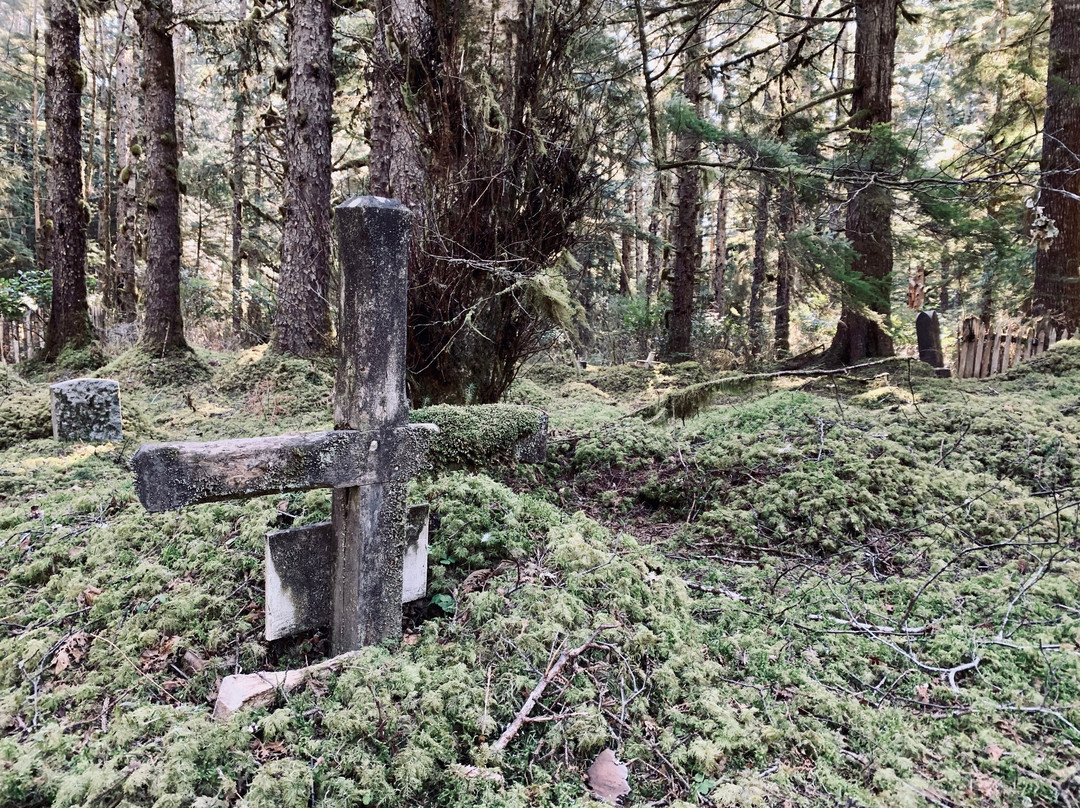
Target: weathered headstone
86 410
299 573
928 330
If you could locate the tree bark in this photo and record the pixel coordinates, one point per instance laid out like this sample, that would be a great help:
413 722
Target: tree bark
755 319
687 236
163 330
122 298
403 32
1057 267
869 211
785 271
302 318
66 211
237 183
719 277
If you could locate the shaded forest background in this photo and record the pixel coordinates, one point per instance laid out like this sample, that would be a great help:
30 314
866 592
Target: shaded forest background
722 181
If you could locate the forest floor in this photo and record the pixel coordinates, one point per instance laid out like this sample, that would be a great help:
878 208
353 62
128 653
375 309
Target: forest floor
855 590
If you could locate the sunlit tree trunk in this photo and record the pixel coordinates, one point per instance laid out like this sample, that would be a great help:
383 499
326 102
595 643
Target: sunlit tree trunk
164 326
869 210
1057 267
302 317
66 211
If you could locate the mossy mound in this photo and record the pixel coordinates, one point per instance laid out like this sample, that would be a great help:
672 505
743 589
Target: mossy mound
281 385
136 367
1061 359
550 374
10 383
619 379
82 359
24 415
479 435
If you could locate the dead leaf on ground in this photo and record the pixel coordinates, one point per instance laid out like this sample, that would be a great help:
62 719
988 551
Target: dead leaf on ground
156 658
88 596
987 785
994 752
922 693
267 751
72 652
192 661
607 778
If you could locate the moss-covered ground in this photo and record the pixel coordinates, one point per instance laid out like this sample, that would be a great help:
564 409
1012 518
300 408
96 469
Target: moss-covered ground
811 590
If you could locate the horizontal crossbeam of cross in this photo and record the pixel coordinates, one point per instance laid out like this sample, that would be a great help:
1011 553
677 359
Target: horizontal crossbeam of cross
169 476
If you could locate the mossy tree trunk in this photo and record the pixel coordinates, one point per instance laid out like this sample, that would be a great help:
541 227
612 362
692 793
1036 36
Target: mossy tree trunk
66 210
687 236
121 300
869 210
1057 268
164 326
302 316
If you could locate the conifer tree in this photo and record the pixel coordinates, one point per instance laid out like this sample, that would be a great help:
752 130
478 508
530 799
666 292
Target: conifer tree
66 210
1057 263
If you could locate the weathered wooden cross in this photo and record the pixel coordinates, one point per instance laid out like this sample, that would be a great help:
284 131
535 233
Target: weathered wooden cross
367 459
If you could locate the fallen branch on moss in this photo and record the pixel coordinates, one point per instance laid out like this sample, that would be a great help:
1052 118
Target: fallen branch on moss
687 402
537 692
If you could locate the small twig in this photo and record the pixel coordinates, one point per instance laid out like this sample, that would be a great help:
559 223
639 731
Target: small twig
138 670
716 590
522 715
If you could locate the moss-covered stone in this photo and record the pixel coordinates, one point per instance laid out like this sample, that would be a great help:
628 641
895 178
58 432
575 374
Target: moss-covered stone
482 435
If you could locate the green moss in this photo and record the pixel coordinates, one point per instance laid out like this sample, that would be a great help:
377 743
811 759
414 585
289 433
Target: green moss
86 357
478 436
24 416
136 367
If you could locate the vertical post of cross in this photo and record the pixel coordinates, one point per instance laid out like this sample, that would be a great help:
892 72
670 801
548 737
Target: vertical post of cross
369 394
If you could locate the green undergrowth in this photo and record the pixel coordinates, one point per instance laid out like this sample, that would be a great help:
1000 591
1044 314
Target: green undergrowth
810 592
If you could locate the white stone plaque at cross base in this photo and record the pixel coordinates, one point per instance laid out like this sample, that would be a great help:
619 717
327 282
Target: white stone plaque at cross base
299 573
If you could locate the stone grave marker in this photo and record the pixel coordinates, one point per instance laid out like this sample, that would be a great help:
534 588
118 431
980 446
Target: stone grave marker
86 410
366 459
928 330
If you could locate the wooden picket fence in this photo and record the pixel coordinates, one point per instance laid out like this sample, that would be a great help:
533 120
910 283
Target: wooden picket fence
984 351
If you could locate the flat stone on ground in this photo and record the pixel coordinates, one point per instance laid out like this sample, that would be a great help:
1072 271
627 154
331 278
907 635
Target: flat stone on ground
86 411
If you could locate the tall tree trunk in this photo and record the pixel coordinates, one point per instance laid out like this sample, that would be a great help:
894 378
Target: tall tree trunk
403 32
66 211
257 330
719 276
655 250
122 299
105 235
639 224
786 219
302 318
687 237
626 263
237 183
755 319
1057 267
164 326
869 210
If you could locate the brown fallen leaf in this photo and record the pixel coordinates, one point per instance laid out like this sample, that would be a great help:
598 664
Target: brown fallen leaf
994 752
88 596
922 693
987 785
72 652
607 778
192 661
